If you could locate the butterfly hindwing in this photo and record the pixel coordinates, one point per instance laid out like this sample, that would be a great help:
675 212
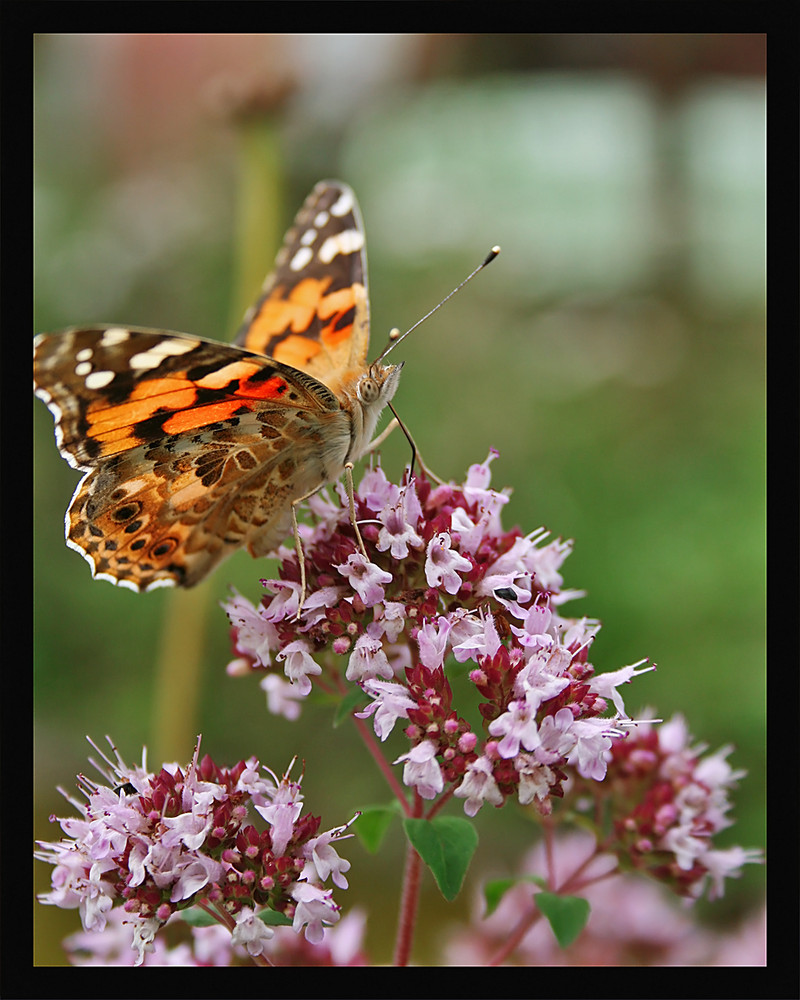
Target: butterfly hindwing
167 512
189 446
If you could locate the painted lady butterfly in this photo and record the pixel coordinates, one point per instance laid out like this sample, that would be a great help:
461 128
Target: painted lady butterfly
192 449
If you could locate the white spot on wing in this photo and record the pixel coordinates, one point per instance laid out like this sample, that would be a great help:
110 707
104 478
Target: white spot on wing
83 368
301 259
321 219
145 360
308 237
128 584
347 242
154 355
343 205
174 346
115 335
98 380
44 395
84 355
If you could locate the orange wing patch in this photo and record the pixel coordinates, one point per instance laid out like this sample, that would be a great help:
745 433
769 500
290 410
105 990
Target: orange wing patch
217 396
313 313
112 427
295 328
201 416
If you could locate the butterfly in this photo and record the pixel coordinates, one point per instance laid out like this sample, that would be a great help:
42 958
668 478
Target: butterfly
192 449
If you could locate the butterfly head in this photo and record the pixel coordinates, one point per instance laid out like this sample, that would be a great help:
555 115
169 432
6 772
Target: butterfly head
364 396
378 384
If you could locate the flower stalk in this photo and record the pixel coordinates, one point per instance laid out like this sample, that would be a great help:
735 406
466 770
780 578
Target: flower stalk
409 903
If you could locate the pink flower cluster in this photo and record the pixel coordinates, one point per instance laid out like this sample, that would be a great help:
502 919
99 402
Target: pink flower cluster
668 803
159 843
442 579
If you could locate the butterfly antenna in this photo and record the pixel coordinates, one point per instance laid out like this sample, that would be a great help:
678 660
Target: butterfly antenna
395 336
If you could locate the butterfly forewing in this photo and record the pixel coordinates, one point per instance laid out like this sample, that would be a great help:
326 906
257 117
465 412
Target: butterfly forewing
313 312
112 389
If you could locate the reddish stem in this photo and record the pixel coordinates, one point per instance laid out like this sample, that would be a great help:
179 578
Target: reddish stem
217 912
385 768
548 852
410 898
440 802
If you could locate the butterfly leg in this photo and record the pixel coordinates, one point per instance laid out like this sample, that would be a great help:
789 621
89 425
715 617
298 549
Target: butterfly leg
348 477
298 544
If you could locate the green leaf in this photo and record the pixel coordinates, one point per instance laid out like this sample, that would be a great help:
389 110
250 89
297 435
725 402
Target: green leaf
197 917
372 824
495 890
567 915
274 919
446 845
346 706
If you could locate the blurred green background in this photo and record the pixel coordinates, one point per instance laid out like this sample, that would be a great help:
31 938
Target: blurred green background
614 354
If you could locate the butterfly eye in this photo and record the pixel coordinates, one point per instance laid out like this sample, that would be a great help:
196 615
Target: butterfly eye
368 390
